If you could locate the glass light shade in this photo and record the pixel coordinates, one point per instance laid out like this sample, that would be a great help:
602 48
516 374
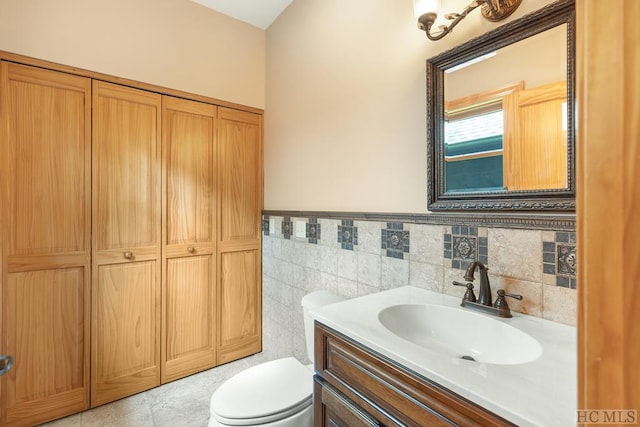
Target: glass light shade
420 7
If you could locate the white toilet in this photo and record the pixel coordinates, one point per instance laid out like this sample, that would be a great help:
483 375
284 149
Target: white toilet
272 394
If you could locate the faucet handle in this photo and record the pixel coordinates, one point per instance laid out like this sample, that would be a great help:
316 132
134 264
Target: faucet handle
502 293
501 302
468 295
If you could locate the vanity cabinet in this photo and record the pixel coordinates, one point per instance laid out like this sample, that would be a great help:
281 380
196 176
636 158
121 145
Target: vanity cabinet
355 386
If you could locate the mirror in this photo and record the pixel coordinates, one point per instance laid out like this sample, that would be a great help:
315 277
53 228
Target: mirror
501 115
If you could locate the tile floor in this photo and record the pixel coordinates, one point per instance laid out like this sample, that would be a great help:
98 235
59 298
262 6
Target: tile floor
182 403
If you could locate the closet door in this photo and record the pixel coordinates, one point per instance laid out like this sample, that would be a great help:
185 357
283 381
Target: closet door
188 238
535 139
239 159
125 340
45 223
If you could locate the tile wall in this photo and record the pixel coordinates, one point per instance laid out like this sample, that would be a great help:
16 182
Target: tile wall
354 258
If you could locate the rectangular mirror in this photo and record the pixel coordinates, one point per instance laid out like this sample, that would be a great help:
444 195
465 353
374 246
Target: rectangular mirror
501 115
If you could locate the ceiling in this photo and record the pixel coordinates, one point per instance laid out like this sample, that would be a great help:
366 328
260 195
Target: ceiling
259 13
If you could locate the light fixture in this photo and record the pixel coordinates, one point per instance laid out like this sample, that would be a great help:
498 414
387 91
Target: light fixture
426 12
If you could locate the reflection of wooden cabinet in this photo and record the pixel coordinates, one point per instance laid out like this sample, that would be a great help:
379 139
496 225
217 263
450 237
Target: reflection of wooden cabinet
126 242
239 159
356 387
45 225
535 143
188 239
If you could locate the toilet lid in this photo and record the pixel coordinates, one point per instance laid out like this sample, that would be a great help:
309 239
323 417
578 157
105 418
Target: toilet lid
265 393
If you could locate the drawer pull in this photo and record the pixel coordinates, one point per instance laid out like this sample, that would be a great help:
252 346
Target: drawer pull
191 250
128 255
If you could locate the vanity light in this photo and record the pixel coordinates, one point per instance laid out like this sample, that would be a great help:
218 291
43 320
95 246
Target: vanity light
426 12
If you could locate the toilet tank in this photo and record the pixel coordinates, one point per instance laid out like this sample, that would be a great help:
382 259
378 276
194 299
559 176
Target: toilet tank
310 302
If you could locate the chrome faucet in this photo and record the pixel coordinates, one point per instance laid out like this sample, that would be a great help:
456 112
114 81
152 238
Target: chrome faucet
484 295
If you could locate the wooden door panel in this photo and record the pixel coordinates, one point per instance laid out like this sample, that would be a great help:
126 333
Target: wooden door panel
188 155
240 160
126 199
188 250
608 184
44 309
126 349
240 305
48 205
189 305
45 327
190 318
126 296
45 223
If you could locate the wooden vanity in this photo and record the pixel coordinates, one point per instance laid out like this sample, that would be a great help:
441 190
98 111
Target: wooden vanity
370 373
355 386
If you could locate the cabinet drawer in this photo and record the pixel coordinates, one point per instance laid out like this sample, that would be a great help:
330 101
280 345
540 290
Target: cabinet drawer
390 393
332 408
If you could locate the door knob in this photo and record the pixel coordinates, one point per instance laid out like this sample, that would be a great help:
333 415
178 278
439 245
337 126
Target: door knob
191 250
6 362
128 255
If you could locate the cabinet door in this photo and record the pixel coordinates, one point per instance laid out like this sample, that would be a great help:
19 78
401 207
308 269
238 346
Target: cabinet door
45 223
188 238
239 159
125 340
535 138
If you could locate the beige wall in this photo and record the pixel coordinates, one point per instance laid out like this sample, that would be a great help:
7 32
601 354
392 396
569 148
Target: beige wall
173 43
345 113
538 60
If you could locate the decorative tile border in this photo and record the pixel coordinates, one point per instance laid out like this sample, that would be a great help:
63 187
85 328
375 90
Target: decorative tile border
313 230
347 234
464 245
395 240
554 222
559 259
287 228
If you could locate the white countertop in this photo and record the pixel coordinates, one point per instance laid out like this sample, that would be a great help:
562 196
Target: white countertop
538 393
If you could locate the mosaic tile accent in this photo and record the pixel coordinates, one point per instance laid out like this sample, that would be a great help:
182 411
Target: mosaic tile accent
395 240
265 225
347 234
287 228
549 257
483 250
313 231
559 258
463 246
567 260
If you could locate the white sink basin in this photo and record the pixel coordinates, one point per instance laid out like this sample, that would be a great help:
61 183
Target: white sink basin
459 333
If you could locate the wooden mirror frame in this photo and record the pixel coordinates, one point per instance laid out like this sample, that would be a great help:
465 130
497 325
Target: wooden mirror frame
553 200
